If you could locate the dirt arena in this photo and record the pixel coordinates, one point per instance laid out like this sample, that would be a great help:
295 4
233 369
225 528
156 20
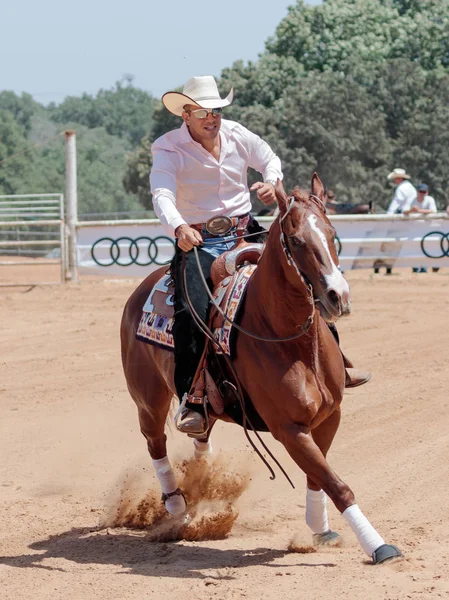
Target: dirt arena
70 448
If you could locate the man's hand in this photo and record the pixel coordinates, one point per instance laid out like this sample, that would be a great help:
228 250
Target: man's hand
265 192
188 237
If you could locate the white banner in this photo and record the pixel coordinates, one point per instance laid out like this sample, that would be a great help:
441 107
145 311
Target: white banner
403 242
118 249
135 248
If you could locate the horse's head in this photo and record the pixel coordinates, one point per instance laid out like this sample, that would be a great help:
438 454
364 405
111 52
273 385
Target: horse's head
309 237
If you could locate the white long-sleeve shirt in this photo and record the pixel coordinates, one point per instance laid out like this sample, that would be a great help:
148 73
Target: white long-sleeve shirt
404 195
190 186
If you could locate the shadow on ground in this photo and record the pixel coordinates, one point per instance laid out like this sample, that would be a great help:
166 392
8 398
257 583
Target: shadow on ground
138 555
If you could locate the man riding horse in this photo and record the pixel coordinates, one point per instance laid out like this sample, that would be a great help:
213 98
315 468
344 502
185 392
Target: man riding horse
200 192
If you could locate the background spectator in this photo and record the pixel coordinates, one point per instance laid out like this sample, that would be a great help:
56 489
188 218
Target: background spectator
404 195
423 204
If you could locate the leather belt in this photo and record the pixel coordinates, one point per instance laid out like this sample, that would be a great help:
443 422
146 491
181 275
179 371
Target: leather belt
222 225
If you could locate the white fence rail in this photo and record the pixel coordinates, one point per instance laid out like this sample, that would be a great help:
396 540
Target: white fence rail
135 248
32 232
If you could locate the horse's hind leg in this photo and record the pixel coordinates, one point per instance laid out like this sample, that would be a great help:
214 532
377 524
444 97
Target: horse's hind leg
305 452
202 445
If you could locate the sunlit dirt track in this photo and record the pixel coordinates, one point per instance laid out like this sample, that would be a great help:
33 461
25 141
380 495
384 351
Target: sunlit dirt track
71 450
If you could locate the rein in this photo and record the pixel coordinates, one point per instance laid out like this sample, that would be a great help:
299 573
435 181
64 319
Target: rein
304 328
208 333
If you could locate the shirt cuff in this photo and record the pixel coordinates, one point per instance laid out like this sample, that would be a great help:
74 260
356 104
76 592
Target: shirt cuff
273 176
175 223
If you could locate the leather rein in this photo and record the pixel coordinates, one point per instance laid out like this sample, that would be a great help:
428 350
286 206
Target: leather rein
304 328
209 334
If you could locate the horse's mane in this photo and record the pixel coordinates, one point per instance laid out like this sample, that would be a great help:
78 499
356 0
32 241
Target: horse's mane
300 194
306 196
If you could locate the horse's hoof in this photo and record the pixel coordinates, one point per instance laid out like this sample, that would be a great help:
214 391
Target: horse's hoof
182 520
175 503
385 552
329 538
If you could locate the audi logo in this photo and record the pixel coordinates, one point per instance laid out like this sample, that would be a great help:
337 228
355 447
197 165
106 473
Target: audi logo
337 243
442 250
125 251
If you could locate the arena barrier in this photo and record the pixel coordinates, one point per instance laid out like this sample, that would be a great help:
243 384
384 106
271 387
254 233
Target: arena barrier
135 248
32 232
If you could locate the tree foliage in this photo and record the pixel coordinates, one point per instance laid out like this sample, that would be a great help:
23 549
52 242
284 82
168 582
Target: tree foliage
349 88
124 111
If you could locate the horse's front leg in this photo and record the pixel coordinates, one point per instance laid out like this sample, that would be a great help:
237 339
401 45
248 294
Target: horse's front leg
298 441
316 500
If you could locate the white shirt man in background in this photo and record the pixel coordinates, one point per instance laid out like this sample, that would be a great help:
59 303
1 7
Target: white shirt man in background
404 195
423 203
405 192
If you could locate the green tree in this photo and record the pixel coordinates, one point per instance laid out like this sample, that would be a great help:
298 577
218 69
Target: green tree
22 108
139 162
124 111
12 141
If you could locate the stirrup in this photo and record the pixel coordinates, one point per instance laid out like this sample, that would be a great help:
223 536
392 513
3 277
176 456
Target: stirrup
197 400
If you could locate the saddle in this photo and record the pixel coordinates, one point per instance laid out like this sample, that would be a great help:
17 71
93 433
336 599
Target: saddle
230 274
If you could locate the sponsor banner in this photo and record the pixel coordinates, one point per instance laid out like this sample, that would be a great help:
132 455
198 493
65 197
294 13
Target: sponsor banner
404 242
134 250
123 250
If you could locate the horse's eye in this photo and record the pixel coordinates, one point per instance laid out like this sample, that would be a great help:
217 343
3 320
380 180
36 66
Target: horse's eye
294 240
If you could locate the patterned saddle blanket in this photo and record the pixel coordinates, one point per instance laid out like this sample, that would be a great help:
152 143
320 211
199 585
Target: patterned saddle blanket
156 323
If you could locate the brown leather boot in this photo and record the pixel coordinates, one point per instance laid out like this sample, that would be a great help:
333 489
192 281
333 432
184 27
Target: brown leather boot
356 377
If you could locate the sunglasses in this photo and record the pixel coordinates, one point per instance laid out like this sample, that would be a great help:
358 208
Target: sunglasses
203 113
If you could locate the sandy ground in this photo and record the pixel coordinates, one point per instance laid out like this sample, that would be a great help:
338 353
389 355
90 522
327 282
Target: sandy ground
70 446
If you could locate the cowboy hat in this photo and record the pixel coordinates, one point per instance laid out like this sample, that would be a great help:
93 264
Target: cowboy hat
399 173
201 91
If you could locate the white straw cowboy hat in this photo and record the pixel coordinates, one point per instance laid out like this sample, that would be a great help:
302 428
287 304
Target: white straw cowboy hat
201 91
398 173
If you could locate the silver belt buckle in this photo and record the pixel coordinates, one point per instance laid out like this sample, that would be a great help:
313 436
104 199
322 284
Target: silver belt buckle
219 225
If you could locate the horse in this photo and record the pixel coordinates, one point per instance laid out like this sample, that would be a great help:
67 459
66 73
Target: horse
346 208
296 384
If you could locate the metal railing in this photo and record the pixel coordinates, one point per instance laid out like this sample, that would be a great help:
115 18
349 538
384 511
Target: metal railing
32 227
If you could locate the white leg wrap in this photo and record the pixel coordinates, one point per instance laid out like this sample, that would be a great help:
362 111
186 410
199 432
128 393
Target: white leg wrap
202 449
176 504
367 536
316 513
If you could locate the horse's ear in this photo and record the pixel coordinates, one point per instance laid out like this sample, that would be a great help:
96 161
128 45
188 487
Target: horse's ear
317 187
281 197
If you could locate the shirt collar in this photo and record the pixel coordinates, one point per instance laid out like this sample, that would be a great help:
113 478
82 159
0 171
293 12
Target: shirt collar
225 129
184 134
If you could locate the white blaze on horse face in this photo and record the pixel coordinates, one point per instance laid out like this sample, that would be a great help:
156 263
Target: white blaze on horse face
334 280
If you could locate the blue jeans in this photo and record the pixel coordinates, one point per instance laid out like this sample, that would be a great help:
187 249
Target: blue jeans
188 337
216 246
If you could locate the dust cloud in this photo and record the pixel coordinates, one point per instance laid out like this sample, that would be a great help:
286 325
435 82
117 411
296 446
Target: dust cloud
211 491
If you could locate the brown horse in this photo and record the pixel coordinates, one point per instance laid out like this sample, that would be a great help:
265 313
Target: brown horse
346 208
296 386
